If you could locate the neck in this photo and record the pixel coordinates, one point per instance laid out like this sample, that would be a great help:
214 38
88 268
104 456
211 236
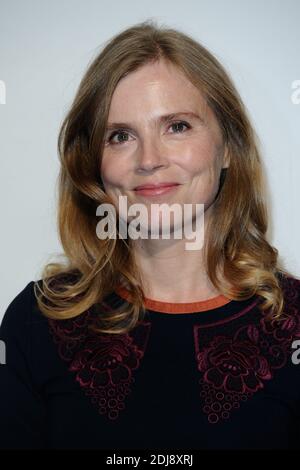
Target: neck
170 273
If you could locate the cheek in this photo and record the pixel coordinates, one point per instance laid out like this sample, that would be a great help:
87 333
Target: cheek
199 157
111 172
201 163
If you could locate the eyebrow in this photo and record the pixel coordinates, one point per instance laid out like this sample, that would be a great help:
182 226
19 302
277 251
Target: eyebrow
161 119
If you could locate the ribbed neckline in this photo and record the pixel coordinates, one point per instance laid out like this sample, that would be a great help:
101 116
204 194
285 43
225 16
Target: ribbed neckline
177 307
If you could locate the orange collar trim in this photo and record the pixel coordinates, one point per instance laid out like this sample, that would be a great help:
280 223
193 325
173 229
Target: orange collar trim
177 307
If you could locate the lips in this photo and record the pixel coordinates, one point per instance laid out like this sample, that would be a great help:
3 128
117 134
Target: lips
156 190
155 186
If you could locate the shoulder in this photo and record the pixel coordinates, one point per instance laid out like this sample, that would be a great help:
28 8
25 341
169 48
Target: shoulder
23 310
289 281
19 312
33 342
281 335
23 317
291 293
24 329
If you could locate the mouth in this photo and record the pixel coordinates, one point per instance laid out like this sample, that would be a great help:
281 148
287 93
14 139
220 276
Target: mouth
155 189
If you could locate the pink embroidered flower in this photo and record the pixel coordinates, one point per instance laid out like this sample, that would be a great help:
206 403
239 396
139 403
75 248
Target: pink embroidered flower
233 365
103 363
106 360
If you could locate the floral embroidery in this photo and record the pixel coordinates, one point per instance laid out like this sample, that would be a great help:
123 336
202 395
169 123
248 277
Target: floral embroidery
235 367
235 359
103 363
231 365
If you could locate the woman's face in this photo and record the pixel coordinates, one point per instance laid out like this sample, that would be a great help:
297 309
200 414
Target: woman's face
146 148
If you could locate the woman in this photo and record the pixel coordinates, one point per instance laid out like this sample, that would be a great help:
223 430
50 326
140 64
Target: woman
141 342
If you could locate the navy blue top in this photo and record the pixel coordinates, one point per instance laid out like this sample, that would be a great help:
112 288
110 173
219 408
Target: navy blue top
223 378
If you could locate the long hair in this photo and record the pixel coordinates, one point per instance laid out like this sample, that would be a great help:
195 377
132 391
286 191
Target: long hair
239 261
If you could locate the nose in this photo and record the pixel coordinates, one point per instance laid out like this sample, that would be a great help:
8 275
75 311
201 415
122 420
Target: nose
151 155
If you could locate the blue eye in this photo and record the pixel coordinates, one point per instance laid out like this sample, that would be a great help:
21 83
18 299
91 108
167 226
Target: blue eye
123 133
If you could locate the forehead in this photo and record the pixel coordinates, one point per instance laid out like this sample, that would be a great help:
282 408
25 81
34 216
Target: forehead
155 84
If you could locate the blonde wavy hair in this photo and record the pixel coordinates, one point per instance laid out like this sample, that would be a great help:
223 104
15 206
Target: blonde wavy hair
239 260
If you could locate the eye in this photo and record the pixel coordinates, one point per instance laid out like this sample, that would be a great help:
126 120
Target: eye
180 124
125 134
117 133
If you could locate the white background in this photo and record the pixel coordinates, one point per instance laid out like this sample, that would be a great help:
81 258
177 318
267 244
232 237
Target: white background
45 47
